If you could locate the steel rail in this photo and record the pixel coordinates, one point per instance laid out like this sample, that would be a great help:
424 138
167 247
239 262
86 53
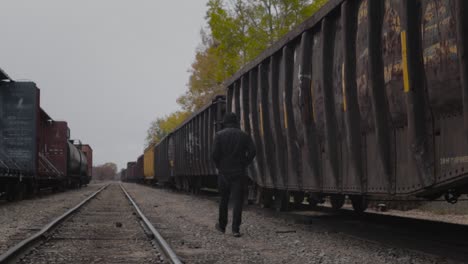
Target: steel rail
14 251
173 258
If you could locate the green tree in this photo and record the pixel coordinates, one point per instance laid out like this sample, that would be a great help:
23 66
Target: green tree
238 31
161 127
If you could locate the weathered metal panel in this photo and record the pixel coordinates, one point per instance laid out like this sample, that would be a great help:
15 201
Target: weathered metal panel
88 151
287 88
311 178
269 150
259 162
439 40
332 156
269 170
19 112
420 135
296 131
148 163
276 122
245 117
381 175
54 146
354 179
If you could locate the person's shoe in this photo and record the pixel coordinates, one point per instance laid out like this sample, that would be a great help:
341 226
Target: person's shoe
218 227
236 234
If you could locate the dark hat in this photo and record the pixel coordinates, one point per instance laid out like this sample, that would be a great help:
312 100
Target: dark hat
230 118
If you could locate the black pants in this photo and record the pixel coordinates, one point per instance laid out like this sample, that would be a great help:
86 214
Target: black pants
226 187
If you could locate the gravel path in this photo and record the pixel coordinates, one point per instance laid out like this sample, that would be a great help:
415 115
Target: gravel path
19 220
187 223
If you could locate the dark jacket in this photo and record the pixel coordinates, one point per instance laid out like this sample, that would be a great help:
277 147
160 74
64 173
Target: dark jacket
233 151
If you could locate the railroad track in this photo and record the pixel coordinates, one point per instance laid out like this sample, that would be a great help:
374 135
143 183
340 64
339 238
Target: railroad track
106 227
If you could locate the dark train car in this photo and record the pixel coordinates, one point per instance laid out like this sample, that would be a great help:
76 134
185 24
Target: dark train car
34 149
139 169
123 175
130 175
88 151
164 153
365 99
190 144
148 165
19 118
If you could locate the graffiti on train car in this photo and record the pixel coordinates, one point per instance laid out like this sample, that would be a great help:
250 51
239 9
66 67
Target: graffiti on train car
18 123
453 160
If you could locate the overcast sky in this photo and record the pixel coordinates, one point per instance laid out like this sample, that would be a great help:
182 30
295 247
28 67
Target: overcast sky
107 67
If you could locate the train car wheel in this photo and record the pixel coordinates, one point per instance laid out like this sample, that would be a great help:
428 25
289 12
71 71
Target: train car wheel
10 191
359 203
186 184
19 191
298 198
32 189
282 201
264 197
314 199
337 201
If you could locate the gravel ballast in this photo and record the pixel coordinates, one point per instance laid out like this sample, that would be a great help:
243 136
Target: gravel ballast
187 223
19 220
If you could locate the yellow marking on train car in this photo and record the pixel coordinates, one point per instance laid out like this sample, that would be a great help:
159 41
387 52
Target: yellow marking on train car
261 118
285 115
404 54
343 82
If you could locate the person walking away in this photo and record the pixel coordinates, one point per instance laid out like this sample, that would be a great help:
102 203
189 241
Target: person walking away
233 151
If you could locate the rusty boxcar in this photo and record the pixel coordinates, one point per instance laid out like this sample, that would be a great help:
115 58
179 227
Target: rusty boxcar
365 99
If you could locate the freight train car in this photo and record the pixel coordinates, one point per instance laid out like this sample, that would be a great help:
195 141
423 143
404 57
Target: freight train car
367 99
35 151
148 165
184 157
88 151
123 175
139 170
164 161
131 172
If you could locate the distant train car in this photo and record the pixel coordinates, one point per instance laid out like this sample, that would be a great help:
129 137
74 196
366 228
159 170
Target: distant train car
123 175
148 165
88 151
183 157
131 172
367 99
164 161
139 170
35 151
